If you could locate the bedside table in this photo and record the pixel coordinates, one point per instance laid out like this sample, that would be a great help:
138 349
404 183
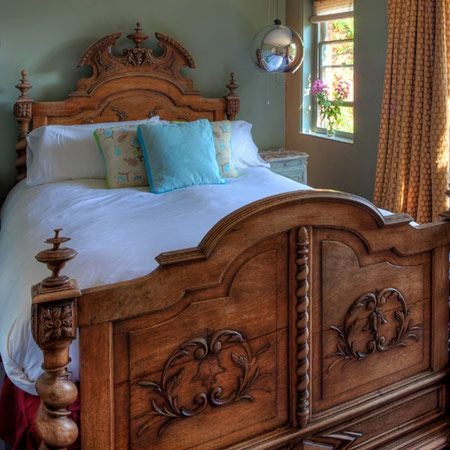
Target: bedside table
288 163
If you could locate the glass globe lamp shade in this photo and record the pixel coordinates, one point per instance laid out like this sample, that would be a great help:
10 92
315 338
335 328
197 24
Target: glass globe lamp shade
277 49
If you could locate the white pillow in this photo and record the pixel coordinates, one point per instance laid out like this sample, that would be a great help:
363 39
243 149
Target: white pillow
244 152
64 152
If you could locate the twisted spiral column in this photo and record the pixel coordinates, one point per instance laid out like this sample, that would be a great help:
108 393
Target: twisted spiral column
302 325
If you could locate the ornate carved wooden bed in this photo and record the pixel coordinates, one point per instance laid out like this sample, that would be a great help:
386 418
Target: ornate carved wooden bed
304 320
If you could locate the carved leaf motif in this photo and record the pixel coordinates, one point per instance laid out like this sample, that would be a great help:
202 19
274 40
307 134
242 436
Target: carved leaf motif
375 321
23 110
57 322
138 56
204 351
105 62
121 115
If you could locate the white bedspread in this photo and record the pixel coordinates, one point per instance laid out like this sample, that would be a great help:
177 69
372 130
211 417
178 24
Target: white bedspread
117 232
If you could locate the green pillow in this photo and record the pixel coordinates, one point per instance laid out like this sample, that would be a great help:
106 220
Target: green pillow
123 156
222 143
178 155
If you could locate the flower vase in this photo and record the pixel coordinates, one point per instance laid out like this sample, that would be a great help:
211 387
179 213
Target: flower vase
331 133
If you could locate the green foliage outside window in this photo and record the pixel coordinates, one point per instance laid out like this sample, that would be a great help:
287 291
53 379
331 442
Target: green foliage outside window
335 54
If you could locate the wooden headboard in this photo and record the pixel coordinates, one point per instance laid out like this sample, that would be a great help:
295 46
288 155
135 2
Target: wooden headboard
135 84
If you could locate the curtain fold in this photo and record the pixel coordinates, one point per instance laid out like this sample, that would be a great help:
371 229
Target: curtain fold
413 152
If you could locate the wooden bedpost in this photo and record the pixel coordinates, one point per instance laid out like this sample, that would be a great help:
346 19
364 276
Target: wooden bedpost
54 323
233 100
23 114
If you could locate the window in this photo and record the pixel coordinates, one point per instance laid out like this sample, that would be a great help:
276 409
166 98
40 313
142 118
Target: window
333 51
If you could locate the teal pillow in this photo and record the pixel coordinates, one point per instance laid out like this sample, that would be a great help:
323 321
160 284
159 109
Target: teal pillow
177 155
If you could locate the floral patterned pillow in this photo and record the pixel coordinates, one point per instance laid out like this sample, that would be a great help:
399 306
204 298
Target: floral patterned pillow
222 142
123 156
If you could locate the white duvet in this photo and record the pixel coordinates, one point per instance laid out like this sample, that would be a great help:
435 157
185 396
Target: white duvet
117 233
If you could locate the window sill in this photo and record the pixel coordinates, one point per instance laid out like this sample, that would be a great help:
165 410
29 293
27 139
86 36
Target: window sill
324 136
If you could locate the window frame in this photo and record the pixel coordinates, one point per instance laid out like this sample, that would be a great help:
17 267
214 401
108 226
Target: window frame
317 66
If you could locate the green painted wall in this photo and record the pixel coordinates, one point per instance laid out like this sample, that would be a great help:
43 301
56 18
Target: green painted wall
47 37
332 164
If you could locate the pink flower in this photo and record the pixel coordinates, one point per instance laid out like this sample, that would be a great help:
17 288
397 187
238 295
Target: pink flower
342 89
318 87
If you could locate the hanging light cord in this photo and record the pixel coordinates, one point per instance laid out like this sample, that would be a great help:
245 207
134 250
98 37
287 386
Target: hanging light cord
277 21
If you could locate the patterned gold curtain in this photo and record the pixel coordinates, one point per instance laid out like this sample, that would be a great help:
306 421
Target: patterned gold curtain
413 153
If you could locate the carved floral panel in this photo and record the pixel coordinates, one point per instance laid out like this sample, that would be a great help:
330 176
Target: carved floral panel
207 362
375 323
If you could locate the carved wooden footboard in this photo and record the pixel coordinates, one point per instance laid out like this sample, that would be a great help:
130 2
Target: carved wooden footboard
302 321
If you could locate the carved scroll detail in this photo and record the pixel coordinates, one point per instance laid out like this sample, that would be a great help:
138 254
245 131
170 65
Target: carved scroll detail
105 62
121 115
366 314
302 325
205 352
342 440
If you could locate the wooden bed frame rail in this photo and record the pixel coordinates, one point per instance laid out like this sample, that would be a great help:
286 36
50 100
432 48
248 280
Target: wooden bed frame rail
306 320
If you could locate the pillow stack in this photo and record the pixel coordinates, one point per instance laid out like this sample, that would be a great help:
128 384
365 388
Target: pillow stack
164 155
67 152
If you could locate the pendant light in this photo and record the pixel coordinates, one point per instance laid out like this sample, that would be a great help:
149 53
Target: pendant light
277 48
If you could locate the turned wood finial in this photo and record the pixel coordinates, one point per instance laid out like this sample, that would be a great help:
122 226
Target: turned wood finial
138 36
56 258
54 323
233 100
24 86
232 85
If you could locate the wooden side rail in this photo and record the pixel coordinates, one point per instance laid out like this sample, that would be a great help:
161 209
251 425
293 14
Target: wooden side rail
54 323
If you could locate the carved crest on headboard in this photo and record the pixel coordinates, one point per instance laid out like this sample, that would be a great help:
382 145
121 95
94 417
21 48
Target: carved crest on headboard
105 63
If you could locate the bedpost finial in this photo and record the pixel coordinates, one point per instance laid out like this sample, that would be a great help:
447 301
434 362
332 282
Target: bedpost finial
24 86
138 36
56 258
54 325
232 85
233 101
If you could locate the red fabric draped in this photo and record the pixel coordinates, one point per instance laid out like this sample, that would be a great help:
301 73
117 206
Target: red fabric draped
18 410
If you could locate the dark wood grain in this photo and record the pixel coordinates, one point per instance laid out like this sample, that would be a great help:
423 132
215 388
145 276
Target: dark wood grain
96 378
